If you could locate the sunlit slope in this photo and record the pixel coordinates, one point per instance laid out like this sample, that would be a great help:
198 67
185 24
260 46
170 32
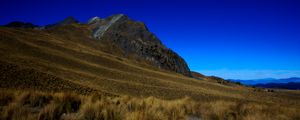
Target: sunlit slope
69 54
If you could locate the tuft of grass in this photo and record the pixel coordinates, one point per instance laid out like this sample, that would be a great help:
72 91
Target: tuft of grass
50 112
69 102
100 110
5 98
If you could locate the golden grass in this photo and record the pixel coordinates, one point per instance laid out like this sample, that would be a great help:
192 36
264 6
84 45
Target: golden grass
70 106
66 59
71 58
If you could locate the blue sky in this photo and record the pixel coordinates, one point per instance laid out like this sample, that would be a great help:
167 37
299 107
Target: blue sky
238 39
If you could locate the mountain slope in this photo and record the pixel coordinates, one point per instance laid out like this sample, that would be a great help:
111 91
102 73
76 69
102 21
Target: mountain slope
135 39
68 52
87 65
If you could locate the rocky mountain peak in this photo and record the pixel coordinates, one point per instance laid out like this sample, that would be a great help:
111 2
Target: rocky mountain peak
135 39
94 20
101 26
68 20
118 16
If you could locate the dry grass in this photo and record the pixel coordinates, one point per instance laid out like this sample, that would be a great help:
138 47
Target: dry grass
69 54
69 106
65 59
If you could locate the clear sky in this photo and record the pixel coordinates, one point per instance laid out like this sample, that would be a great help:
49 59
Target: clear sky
241 39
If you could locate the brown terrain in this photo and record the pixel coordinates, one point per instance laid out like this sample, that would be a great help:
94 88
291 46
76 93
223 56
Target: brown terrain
79 76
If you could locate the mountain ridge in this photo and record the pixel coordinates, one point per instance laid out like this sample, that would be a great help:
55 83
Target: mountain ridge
288 85
267 80
135 40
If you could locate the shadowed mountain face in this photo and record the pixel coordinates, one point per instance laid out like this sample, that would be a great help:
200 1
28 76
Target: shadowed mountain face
135 39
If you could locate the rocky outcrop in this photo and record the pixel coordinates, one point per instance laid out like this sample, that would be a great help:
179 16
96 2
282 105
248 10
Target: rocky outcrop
134 38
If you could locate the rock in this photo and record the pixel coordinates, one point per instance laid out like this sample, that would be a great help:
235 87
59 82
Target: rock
94 20
268 90
135 38
105 25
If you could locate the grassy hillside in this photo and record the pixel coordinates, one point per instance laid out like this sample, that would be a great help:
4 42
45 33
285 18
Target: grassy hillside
67 59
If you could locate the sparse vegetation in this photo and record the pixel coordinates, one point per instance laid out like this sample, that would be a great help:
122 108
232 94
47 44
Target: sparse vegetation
69 106
77 79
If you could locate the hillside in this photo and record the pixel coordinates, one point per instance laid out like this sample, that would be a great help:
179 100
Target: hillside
88 59
70 55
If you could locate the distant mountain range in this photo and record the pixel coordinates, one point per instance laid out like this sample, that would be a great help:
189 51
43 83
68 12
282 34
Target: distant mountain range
266 80
290 85
285 83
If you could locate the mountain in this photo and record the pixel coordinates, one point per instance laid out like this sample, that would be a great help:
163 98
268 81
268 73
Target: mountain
135 39
111 56
115 68
267 80
289 85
